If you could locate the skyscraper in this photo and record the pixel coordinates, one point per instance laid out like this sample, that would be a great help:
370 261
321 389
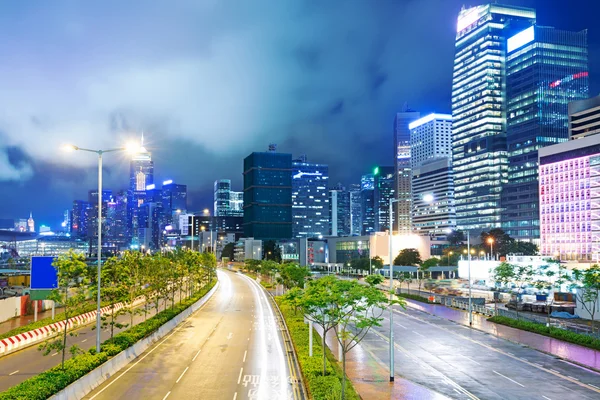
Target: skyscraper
479 154
546 69
383 184
227 203
339 215
584 118
355 210
402 169
174 199
30 223
79 218
141 174
367 202
268 195
310 199
430 137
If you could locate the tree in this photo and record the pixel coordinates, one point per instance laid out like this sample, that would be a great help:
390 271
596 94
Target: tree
404 277
133 268
71 271
271 251
408 257
228 251
374 279
430 262
293 275
525 248
511 274
456 238
115 284
549 276
587 283
252 265
361 264
376 263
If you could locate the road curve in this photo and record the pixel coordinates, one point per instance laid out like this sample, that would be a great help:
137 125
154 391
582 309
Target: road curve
230 349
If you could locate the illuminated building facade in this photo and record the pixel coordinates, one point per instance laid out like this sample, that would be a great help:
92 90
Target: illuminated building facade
355 210
340 216
79 218
546 69
584 117
383 184
569 185
226 202
268 195
402 170
310 199
479 155
367 204
430 137
141 175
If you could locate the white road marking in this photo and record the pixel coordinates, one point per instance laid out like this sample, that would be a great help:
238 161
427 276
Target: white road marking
194 359
400 325
55 354
538 364
84 340
230 335
235 396
181 376
417 333
240 377
166 395
508 352
572 377
555 371
547 398
594 386
245 353
12 373
470 359
512 380
457 391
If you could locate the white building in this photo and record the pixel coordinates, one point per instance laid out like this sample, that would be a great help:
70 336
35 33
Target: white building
430 137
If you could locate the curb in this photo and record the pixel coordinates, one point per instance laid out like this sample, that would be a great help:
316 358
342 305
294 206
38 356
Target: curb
81 387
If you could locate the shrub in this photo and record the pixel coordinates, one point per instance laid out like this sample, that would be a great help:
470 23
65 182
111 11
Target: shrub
328 387
54 380
556 333
415 297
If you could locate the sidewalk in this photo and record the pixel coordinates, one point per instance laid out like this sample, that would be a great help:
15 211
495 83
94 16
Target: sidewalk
568 351
371 379
23 320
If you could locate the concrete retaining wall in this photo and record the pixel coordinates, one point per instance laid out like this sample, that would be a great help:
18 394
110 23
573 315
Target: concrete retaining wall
84 385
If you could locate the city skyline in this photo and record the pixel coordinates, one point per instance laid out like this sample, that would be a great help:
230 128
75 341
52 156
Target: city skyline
31 172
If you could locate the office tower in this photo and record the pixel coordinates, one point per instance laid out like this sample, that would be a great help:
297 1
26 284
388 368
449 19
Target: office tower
227 203
141 174
310 199
479 154
92 217
430 137
569 173
268 195
355 209
383 184
546 69
367 199
339 214
116 222
30 223
79 218
433 197
402 169
584 116
174 200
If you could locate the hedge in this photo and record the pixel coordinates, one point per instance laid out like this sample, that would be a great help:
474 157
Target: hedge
52 381
415 297
556 333
328 387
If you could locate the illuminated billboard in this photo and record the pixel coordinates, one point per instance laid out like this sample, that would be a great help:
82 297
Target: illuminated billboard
520 39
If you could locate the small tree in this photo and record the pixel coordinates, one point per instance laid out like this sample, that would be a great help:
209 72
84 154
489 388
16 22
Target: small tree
71 271
374 280
408 257
404 277
293 275
588 284
228 251
549 276
518 275
115 284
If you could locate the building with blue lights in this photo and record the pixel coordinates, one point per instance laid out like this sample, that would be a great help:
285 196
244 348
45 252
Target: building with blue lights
268 195
546 69
367 205
310 199
340 215
479 152
402 170
383 192
141 175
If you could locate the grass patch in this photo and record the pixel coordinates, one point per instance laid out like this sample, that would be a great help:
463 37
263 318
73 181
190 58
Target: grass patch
556 333
415 297
328 387
55 379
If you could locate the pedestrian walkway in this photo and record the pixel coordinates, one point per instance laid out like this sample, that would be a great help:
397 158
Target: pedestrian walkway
567 351
23 320
371 378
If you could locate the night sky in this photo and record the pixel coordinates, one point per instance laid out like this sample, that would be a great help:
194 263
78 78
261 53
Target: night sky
210 81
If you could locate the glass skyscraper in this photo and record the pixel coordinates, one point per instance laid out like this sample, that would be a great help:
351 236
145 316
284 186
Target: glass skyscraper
402 173
340 216
141 174
546 68
268 195
367 209
226 202
479 152
355 210
310 199
383 185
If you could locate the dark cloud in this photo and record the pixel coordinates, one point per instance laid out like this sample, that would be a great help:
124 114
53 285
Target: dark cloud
208 82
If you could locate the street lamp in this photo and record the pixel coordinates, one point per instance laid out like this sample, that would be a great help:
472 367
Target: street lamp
391 232
131 148
207 213
469 268
449 254
490 240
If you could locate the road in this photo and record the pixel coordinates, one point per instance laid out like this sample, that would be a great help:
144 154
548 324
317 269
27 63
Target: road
229 349
28 362
464 363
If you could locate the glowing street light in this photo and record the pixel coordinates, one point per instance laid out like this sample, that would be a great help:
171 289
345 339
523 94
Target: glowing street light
132 149
490 240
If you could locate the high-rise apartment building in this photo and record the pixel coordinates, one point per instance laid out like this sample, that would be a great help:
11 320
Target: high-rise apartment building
433 197
367 199
310 199
226 202
268 195
584 116
402 170
141 175
355 209
430 137
479 152
340 215
383 184
546 69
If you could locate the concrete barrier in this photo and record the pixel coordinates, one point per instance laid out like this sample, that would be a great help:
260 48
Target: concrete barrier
84 385
29 338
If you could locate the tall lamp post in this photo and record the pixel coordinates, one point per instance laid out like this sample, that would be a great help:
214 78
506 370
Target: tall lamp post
490 240
469 268
131 149
392 201
207 213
